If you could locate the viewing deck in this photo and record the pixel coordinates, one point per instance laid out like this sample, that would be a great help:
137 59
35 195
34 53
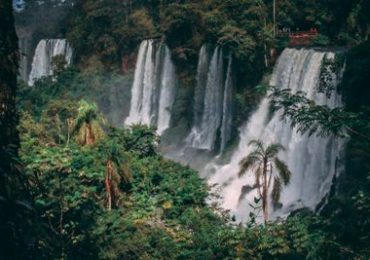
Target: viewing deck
299 38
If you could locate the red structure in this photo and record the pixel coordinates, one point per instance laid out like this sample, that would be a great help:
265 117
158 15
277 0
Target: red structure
300 38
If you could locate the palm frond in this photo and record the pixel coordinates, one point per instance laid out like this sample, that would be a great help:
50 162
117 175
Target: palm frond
273 149
247 163
258 144
276 190
283 170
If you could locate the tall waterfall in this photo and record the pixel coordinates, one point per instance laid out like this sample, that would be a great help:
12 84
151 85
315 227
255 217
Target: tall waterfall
227 107
212 102
44 53
312 160
24 61
153 90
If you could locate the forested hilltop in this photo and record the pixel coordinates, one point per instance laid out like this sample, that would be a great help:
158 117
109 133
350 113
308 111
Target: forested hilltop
76 182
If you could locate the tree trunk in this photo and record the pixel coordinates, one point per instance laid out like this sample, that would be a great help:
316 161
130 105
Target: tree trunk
89 138
108 184
265 192
274 16
13 218
8 80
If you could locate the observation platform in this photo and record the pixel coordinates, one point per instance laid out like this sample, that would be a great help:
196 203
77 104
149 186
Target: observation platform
298 38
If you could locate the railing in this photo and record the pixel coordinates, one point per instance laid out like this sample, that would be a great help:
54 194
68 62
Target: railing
299 38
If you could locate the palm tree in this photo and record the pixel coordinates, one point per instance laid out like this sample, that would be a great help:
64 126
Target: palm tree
117 171
87 125
263 162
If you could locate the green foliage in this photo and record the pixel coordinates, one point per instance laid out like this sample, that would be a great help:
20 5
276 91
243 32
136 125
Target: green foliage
321 40
237 41
344 217
331 74
158 208
306 116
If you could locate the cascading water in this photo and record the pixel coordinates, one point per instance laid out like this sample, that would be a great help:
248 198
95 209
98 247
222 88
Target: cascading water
167 92
312 160
153 90
212 102
202 71
44 53
227 107
24 61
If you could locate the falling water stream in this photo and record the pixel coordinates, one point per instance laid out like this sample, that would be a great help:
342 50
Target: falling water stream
212 102
312 160
154 87
44 53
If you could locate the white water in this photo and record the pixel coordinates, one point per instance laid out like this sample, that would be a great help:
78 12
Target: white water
202 71
153 90
167 93
226 110
313 160
212 113
24 60
44 53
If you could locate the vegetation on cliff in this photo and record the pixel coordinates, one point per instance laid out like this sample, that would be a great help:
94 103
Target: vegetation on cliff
100 192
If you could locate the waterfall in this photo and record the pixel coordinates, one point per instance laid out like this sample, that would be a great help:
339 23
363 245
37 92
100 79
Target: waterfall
212 102
44 53
312 160
24 60
202 71
167 92
153 90
226 110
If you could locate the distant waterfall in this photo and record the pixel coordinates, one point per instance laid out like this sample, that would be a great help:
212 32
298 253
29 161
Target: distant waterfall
44 53
212 102
24 59
312 160
153 90
202 71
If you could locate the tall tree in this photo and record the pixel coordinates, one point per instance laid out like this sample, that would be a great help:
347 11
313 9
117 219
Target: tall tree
263 161
87 124
12 207
118 172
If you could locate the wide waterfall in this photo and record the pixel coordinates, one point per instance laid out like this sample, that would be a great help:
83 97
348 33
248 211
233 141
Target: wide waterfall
154 87
313 160
44 53
212 102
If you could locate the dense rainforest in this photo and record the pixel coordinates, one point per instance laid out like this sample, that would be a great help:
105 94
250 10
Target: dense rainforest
76 182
